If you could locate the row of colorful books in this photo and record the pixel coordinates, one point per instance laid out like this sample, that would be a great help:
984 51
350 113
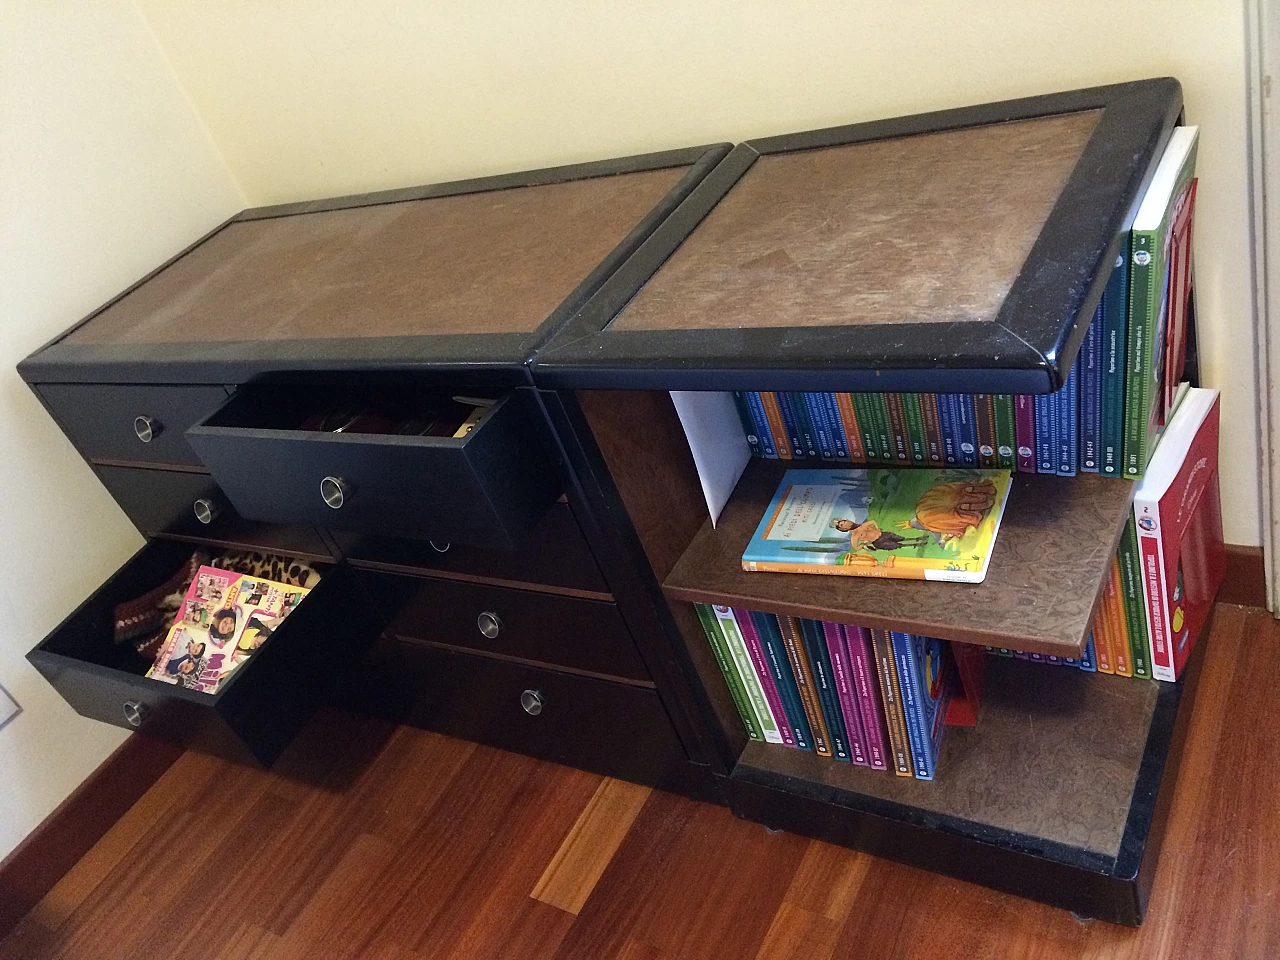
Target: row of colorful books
1105 419
873 698
1171 558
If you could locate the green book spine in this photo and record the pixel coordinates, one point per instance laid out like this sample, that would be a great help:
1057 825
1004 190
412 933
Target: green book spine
737 648
865 412
916 439
1143 302
1115 326
897 417
1135 607
880 410
794 646
932 428
731 678
1006 439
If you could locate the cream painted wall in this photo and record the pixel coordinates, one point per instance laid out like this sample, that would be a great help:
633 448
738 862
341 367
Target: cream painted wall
324 97
105 171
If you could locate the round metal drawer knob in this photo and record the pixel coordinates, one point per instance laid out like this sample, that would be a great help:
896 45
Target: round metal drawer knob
334 491
490 624
531 701
134 712
206 510
146 428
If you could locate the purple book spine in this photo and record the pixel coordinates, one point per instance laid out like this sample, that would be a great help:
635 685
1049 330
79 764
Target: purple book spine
1024 426
838 649
865 680
756 649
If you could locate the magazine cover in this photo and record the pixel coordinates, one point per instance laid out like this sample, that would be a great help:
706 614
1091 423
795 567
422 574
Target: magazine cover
915 524
224 618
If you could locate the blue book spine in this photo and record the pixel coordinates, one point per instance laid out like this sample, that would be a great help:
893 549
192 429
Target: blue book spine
1090 364
909 684
815 643
968 429
1069 423
766 625
748 425
1044 433
947 425
1115 328
791 424
1089 659
808 432
816 411
761 424
838 439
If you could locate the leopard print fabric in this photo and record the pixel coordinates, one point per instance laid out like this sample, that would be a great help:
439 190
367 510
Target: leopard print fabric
268 566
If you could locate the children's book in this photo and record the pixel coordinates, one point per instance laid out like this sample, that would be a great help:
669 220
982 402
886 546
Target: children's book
737 692
916 524
1178 515
225 617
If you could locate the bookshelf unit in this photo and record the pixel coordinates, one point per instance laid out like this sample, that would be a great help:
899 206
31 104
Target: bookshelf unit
759 281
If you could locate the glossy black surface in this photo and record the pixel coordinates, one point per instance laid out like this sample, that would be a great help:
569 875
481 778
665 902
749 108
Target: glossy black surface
585 635
99 418
261 706
486 489
1028 349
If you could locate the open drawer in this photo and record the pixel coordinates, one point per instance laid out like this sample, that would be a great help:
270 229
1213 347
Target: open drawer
259 707
405 462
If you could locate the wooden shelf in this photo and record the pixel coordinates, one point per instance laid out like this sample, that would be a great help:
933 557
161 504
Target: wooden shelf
1054 759
1055 546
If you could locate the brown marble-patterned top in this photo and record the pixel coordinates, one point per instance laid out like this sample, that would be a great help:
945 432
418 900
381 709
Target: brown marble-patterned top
1055 545
495 262
933 227
1055 755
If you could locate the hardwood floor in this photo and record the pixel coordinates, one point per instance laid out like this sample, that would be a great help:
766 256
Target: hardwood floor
414 846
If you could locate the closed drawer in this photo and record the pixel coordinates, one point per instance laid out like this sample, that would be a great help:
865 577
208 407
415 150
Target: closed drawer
351 461
554 553
190 506
141 422
258 708
608 728
584 635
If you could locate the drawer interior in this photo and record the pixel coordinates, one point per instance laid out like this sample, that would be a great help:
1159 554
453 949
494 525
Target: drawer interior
338 410
88 635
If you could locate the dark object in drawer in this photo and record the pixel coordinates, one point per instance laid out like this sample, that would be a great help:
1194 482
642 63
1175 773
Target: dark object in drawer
110 421
487 488
554 553
261 706
607 728
586 635
190 505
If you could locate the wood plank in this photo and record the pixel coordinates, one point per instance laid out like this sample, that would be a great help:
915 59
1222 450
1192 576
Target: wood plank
584 854
687 880
37 864
1054 549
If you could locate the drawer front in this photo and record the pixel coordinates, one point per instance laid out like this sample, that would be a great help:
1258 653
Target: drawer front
586 635
258 709
190 505
554 553
486 489
100 418
608 728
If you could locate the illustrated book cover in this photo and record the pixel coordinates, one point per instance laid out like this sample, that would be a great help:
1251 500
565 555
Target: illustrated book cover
917 524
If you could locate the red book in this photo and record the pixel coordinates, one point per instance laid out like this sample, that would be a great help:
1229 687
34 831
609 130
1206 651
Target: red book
1178 514
970 661
1179 295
